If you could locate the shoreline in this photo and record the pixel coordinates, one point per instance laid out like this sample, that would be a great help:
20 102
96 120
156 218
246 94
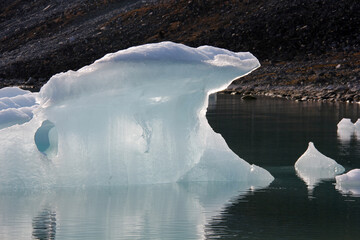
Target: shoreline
333 77
307 93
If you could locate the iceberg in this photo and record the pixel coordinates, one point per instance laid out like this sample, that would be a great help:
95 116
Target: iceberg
313 167
349 183
136 116
345 129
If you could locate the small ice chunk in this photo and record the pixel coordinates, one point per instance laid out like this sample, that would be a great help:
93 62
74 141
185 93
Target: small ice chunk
357 124
313 166
345 129
357 129
349 182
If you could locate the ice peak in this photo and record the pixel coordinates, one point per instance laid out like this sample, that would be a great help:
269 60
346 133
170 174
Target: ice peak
313 166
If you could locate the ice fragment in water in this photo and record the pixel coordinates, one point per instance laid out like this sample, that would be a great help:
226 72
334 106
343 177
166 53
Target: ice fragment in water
136 116
345 129
357 129
349 182
313 166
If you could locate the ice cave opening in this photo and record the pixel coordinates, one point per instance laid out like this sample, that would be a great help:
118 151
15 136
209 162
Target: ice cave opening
46 138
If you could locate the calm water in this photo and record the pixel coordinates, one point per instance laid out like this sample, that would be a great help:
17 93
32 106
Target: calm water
274 133
271 133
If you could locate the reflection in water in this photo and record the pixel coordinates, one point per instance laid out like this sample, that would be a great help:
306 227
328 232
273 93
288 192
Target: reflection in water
345 136
162 211
285 211
274 132
312 177
44 225
265 132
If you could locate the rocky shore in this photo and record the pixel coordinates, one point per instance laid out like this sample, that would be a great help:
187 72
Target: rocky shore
308 49
334 78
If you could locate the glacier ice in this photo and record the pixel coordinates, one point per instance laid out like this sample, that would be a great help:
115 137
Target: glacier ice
345 129
16 106
313 166
349 182
136 116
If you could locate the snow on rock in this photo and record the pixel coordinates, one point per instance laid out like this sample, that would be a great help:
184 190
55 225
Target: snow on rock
136 116
313 167
345 129
349 182
16 106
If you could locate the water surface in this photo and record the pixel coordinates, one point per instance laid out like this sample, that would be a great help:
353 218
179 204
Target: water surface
274 133
271 133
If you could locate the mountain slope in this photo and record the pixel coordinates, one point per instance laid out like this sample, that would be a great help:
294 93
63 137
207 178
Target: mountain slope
39 38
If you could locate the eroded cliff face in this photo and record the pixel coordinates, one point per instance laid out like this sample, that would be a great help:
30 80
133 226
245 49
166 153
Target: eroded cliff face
41 38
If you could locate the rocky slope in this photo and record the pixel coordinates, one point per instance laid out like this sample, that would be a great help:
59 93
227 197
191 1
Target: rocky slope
309 49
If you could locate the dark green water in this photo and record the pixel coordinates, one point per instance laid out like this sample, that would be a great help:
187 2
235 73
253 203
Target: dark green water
274 133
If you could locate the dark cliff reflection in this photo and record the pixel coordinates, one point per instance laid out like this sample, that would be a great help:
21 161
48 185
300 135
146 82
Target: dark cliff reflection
44 225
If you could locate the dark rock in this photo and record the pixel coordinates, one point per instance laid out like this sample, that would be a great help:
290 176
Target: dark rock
248 97
30 81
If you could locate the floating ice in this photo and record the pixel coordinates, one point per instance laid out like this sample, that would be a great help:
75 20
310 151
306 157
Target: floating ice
357 129
313 167
133 117
349 182
357 124
16 106
345 129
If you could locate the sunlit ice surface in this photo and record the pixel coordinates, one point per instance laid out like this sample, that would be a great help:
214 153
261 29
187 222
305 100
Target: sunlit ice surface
133 117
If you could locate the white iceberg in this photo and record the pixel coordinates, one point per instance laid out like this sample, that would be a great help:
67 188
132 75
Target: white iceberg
133 117
349 183
313 166
345 129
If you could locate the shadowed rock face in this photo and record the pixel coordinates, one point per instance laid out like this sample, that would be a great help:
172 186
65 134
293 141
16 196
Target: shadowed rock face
41 38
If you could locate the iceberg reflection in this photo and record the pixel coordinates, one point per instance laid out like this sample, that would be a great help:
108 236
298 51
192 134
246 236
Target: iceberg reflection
44 225
162 211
